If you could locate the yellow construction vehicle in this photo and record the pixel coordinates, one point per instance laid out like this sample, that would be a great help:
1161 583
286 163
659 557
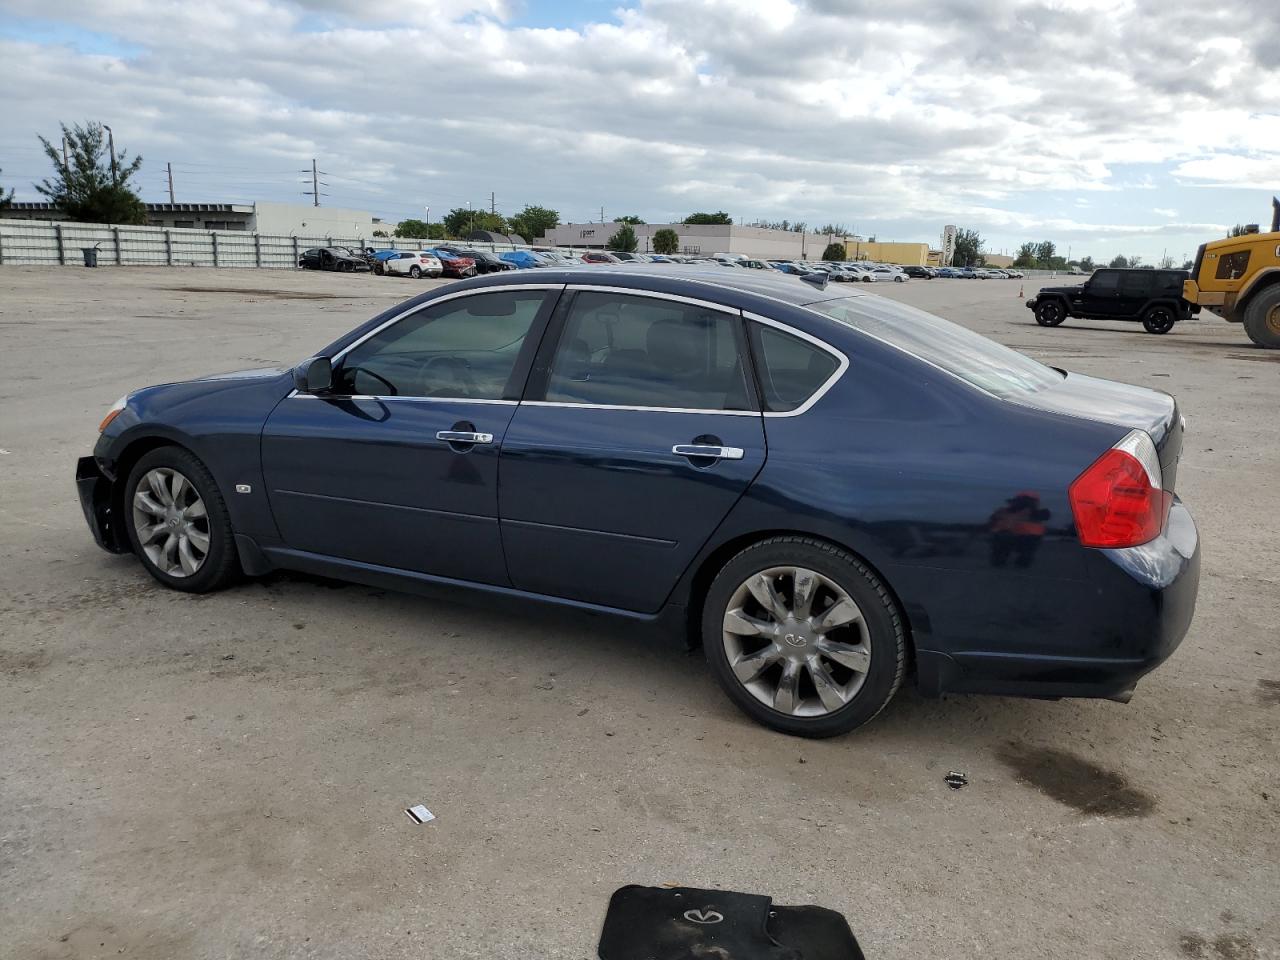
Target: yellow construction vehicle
1239 280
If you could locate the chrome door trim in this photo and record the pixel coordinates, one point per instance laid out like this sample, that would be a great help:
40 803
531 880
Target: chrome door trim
842 362
653 295
471 292
295 395
609 406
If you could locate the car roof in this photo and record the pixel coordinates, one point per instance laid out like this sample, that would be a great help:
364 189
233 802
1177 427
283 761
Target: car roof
683 280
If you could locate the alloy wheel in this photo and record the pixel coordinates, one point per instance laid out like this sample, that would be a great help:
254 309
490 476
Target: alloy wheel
796 641
171 522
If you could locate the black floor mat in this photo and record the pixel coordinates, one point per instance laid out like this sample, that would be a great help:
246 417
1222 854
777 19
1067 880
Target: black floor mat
683 923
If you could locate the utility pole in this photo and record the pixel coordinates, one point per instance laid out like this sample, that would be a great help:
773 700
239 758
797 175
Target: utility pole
169 168
471 215
111 143
602 216
316 183
493 207
65 162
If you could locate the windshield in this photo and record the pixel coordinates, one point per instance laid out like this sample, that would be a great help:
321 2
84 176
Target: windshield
968 355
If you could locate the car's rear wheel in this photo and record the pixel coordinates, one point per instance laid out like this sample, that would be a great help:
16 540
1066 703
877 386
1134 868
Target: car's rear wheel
1159 320
1050 313
415 272
379 269
178 523
1262 318
803 637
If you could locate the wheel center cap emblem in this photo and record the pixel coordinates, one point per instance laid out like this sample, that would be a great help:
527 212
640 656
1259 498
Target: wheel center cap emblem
173 521
796 639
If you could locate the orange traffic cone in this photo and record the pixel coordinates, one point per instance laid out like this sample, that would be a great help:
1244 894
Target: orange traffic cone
1020 296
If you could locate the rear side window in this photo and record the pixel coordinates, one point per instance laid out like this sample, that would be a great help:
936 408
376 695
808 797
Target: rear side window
1137 283
791 370
1231 266
627 351
969 356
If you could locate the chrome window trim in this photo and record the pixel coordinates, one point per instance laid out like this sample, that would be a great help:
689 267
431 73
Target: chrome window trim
841 366
473 291
653 295
295 395
609 406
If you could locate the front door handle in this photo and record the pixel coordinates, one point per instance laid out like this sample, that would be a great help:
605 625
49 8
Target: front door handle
708 451
464 436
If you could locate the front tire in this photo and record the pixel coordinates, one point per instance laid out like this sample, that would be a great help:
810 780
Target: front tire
1050 313
178 523
1159 320
1262 318
803 637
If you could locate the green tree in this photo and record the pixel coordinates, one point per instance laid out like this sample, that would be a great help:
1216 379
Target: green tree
835 229
629 218
534 222
1166 262
1026 256
1119 261
6 199
719 217
420 230
624 240
89 187
1087 264
1237 231
1187 265
1134 262
834 252
1045 251
968 251
666 240
460 222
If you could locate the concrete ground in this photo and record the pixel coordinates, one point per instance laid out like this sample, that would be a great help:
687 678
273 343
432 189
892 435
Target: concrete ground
224 776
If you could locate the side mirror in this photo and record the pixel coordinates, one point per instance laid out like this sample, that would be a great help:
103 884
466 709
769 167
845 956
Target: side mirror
314 375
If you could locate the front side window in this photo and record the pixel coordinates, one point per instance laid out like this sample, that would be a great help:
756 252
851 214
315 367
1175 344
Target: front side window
1104 281
791 370
463 349
1231 266
630 351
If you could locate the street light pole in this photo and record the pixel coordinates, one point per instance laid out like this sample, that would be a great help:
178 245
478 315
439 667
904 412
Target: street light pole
111 141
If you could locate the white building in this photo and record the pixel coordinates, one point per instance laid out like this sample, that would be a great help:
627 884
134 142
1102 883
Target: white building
701 239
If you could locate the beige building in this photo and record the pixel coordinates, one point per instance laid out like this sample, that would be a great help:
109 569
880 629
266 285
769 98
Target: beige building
903 254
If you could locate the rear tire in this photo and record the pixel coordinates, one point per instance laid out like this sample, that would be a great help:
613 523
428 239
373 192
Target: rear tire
1159 319
379 269
415 272
198 515
1262 318
845 661
1050 313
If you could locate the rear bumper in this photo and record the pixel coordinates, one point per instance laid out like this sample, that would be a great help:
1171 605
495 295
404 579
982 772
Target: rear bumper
1139 606
98 502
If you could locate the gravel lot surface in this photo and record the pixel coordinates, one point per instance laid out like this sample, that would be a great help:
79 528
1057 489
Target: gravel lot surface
224 776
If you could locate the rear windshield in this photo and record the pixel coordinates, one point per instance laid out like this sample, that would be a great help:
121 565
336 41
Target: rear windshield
968 355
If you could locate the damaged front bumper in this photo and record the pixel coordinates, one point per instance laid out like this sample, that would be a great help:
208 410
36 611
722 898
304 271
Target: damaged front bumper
101 510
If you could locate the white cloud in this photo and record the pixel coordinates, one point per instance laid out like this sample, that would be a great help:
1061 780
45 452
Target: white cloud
998 114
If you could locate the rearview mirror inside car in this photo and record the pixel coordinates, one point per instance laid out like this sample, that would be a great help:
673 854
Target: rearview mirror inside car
314 375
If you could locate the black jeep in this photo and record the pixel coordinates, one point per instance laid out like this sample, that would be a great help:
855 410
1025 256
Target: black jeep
1152 296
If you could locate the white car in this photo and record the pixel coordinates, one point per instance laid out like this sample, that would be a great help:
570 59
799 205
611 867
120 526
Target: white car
888 272
419 263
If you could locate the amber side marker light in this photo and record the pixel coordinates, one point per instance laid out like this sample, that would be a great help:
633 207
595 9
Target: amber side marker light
117 408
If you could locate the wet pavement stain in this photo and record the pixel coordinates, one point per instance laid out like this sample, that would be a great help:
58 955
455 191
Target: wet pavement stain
1268 693
1077 782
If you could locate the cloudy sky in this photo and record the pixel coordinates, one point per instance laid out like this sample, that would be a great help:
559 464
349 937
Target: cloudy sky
1107 126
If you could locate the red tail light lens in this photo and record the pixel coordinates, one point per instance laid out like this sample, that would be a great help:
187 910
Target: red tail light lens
1118 501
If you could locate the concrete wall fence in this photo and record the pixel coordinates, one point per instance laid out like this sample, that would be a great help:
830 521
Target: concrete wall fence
54 243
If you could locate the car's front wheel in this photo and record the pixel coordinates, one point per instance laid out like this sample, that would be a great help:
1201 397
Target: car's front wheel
803 637
1049 313
1159 320
178 523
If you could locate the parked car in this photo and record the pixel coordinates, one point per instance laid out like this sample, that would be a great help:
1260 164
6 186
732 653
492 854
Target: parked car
599 256
918 273
455 265
892 272
522 259
967 273
485 261
377 258
415 264
1153 297
339 259
1006 528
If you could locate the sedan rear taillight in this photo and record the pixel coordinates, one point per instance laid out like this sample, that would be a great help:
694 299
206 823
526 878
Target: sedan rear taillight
1120 501
424 259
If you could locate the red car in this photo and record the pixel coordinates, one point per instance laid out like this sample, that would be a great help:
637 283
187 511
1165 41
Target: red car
454 265
599 256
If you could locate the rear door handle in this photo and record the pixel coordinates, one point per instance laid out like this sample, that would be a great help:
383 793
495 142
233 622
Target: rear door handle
464 436
708 451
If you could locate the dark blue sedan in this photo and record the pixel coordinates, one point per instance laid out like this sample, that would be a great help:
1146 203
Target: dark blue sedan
830 491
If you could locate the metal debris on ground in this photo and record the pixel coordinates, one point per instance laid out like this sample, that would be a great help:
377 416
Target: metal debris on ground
955 780
418 813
